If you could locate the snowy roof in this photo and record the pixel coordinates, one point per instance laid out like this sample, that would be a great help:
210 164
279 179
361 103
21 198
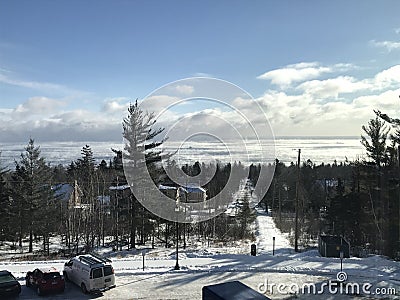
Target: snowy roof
187 188
104 199
194 189
63 190
166 187
119 187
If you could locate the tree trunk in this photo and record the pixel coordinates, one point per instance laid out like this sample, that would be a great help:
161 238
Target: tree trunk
30 240
133 225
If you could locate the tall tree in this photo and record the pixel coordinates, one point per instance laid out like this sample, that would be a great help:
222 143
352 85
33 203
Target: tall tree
35 177
394 192
85 175
140 138
377 132
5 207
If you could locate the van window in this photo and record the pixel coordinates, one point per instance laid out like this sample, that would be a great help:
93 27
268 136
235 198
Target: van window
108 271
97 273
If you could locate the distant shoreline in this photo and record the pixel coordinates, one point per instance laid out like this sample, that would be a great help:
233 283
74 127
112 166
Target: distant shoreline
317 149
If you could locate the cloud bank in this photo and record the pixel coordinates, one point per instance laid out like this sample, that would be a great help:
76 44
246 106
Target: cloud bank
306 99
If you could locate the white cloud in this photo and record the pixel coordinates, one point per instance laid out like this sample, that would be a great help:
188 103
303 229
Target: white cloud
388 101
338 86
301 111
300 72
184 89
44 87
388 77
38 106
201 74
297 111
388 45
115 105
333 87
30 84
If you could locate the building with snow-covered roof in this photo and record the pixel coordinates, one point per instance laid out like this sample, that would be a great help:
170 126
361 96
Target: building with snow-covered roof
68 193
187 193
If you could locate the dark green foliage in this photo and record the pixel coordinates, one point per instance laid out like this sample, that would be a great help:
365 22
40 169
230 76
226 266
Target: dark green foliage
376 148
34 196
246 216
6 209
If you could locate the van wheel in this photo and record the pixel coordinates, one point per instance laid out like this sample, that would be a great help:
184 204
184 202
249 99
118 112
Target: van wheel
83 288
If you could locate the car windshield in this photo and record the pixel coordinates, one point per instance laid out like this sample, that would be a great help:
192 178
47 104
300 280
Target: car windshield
49 276
6 278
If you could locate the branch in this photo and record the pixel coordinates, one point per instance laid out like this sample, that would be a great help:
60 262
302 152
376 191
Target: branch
385 117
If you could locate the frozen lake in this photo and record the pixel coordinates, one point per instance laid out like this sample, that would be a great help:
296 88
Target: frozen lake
317 149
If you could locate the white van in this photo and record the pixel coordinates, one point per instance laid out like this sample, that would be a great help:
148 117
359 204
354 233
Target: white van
91 272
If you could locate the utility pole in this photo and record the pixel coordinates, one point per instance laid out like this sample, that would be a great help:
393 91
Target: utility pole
177 229
398 157
177 247
296 226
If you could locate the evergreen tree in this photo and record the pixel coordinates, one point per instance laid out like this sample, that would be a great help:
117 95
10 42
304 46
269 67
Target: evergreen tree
376 148
6 228
85 172
139 134
33 182
377 181
246 215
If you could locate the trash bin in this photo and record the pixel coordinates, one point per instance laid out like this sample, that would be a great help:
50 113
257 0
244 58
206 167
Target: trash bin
253 249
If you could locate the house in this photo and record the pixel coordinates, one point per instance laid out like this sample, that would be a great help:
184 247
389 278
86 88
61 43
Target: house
120 195
195 193
169 191
68 194
104 202
188 193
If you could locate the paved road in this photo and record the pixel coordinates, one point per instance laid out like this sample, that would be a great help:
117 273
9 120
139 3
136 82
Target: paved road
180 285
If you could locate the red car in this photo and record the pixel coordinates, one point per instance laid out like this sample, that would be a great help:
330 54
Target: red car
45 280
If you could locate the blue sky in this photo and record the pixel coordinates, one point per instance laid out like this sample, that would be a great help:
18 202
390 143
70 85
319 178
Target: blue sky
70 66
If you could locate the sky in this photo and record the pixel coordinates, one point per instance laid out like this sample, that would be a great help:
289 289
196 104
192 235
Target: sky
69 69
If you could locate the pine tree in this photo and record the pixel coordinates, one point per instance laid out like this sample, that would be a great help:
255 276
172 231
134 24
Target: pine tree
6 228
141 150
85 176
377 183
34 193
246 215
376 149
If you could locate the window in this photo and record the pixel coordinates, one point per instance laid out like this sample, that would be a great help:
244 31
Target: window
6 278
97 273
108 271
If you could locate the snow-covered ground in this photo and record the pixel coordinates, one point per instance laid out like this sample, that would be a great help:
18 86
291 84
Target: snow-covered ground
202 266
266 232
